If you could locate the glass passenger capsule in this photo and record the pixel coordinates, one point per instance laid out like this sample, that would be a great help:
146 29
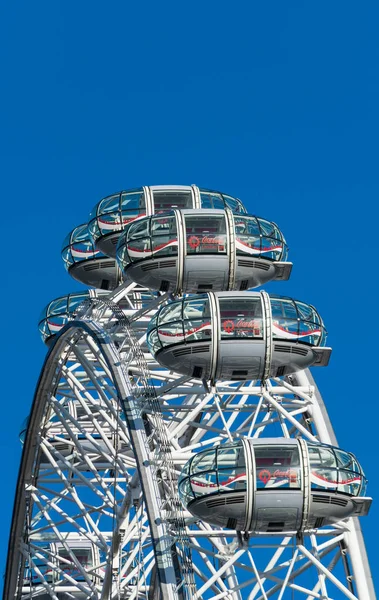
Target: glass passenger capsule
56 433
111 215
273 485
190 250
87 264
58 313
237 336
55 562
61 310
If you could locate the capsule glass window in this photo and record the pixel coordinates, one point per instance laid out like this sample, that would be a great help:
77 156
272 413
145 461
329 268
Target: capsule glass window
164 237
109 204
241 318
84 558
109 215
185 491
323 466
204 483
154 236
135 244
171 312
133 203
273 246
248 237
137 230
233 479
58 312
349 482
335 470
204 461
93 227
114 212
196 308
44 330
24 428
57 307
75 300
277 467
231 468
230 456
67 257
234 204
288 322
78 246
211 200
257 237
345 460
164 201
196 319
206 234
54 323
170 326
154 341
311 329
30 575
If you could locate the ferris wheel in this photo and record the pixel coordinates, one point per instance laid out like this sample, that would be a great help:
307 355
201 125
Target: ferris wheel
177 447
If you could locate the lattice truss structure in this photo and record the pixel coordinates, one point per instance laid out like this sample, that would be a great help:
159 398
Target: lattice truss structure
97 512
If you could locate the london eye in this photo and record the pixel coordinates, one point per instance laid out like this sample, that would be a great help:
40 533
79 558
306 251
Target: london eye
177 446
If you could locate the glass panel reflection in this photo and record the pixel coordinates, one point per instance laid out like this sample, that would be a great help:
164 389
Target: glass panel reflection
185 491
138 229
146 238
30 575
258 237
204 483
335 469
206 234
230 480
114 212
78 246
172 333
109 204
289 322
213 199
170 312
220 469
196 308
58 312
164 201
83 556
349 482
277 467
209 200
138 249
204 461
324 478
198 329
234 204
241 318
228 456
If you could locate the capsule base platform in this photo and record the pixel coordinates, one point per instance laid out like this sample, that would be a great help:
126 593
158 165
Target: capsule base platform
102 273
201 273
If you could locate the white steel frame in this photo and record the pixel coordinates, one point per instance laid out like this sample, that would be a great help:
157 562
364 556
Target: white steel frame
109 432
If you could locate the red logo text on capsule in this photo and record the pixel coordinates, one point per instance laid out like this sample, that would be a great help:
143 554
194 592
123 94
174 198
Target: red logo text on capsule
228 326
265 476
193 241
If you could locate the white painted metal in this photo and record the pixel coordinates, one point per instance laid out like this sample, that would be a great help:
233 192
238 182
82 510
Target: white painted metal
106 441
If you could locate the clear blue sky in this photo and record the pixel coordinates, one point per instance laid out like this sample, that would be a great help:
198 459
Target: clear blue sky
276 103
